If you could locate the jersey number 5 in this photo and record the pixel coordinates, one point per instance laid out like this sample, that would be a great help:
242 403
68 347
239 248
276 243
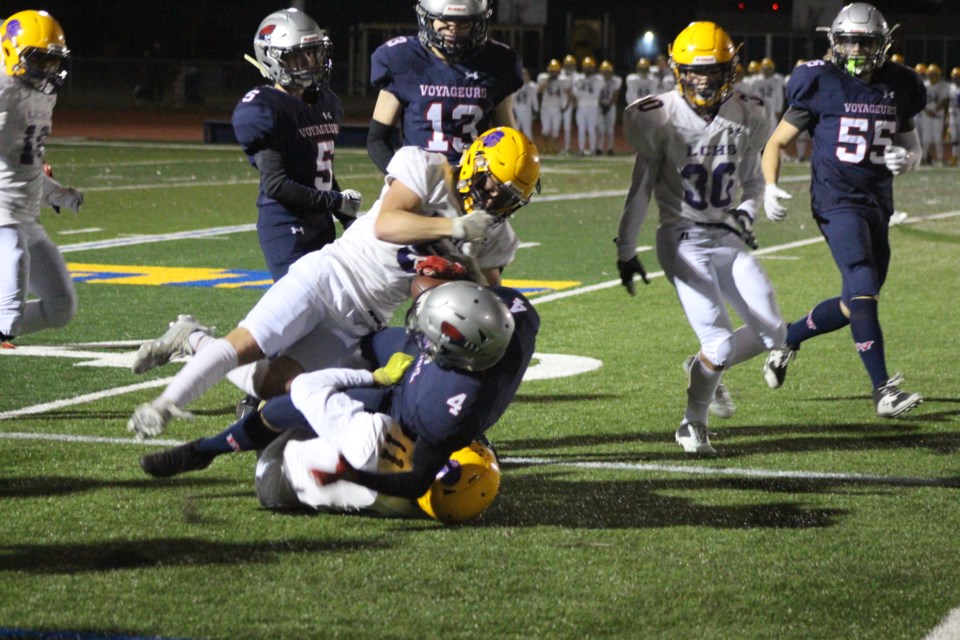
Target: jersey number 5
853 135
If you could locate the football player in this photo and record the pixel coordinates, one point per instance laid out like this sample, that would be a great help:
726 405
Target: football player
554 101
954 116
569 75
586 91
698 151
934 114
641 83
769 86
609 98
288 129
526 103
34 64
469 348
315 316
859 109
443 87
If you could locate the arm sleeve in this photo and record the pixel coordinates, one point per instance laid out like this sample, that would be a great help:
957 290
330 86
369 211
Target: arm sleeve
427 462
319 397
298 198
382 142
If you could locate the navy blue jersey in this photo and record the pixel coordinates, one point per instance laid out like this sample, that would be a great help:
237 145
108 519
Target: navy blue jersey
851 123
302 136
445 106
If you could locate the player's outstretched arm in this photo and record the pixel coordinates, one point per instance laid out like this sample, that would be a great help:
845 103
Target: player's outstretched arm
782 136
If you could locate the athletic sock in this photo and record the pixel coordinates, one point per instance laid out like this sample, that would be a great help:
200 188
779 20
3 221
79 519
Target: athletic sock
868 338
246 434
700 391
823 318
208 367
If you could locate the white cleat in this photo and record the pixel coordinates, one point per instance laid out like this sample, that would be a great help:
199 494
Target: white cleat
174 343
891 402
692 436
150 418
722 404
775 367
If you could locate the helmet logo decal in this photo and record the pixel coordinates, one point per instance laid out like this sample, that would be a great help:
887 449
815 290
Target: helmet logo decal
266 32
491 139
13 30
450 474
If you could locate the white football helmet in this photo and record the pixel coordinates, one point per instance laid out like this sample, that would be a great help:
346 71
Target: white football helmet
462 325
453 45
859 39
293 50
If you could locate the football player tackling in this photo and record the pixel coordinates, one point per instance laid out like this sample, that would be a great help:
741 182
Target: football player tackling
698 151
34 64
859 109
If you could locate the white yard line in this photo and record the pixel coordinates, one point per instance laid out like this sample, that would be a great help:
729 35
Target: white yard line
84 399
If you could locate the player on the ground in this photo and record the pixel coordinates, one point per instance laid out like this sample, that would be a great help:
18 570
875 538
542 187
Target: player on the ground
469 347
34 67
315 316
443 87
859 109
609 99
288 129
698 151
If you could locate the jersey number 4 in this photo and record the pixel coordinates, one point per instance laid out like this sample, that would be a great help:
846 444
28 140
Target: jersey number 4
854 133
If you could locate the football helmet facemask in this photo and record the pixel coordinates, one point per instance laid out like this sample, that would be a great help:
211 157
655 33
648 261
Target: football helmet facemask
499 172
465 487
461 325
34 50
704 59
293 50
859 39
454 41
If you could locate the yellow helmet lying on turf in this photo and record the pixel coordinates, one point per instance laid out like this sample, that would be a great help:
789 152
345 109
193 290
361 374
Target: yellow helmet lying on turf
34 50
511 160
704 59
465 487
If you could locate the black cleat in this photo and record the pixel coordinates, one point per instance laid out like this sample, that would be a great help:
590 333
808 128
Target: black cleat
176 460
248 405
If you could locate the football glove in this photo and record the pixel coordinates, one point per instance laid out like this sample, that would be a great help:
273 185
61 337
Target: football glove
895 158
343 471
772 195
628 269
150 418
472 226
440 268
392 372
741 222
350 202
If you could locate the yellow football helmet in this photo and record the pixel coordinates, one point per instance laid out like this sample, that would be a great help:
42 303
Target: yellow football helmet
955 73
934 73
34 50
768 66
570 62
465 487
704 59
921 69
643 65
553 66
508 158
897 58
606 67
589 65
753 67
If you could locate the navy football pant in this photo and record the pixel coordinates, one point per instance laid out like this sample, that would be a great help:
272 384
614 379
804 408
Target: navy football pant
860 244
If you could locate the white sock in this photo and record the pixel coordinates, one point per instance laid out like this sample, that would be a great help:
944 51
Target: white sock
198 340
205 369
700 391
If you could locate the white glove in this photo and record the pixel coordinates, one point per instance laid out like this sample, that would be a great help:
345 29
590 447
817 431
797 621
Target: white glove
472 226
151 418
350 205
895 158
65 198
772 195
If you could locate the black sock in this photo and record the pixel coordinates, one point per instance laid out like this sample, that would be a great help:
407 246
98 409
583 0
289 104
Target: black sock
823 318
868 338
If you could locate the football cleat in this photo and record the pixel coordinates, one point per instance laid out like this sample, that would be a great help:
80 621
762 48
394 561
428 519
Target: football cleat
775 367
722 404
693 437
174 343
247 405
176 460
891 401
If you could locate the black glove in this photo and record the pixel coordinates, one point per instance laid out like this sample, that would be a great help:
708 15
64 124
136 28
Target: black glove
742 224
628 269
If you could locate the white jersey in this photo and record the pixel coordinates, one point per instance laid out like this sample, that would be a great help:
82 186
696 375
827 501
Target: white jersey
554 92
771 90
610 89
695 169
937 95
526 98
639 86
587 90
26 116
377 274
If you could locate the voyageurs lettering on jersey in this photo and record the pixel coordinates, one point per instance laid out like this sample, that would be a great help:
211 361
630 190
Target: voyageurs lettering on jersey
852 122
445 106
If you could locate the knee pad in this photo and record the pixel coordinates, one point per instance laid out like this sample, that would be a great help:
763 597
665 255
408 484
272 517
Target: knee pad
721 352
